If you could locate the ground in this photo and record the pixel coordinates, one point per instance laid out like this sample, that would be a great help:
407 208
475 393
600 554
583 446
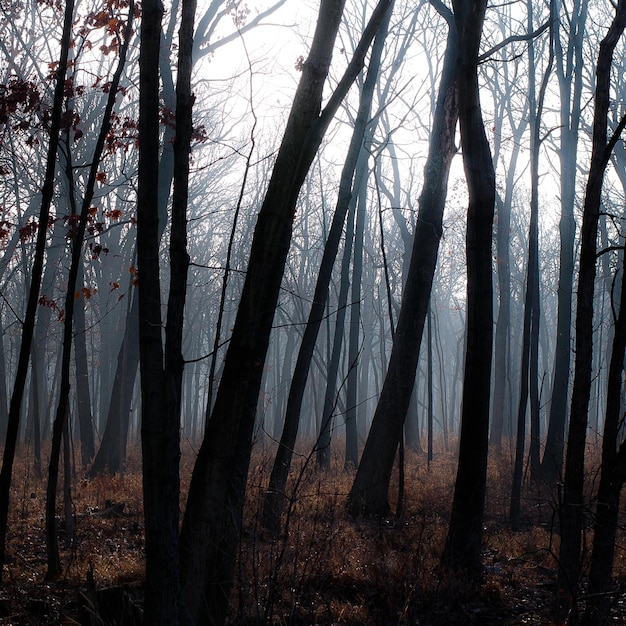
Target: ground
326 568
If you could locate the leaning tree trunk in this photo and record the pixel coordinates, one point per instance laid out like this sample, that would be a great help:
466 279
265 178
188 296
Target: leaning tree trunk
276 496
369 493
210 530
462 552
571 512
35 282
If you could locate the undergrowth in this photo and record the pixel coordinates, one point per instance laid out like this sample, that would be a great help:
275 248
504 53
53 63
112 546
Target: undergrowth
324 568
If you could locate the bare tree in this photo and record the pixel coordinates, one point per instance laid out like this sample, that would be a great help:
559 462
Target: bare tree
369 492
210 531
35 283
462 552
571 512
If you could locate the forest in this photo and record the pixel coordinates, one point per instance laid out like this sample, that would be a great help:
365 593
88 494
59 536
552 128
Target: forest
312 312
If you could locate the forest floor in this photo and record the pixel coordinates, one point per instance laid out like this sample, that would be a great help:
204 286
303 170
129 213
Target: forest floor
325 569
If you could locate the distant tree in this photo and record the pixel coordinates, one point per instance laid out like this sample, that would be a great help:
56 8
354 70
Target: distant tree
569 66
463 548
529 383
571 510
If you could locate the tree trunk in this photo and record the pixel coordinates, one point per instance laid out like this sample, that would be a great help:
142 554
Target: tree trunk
529 383
369 492
569 68
210 531
33 295
462 552
324 439
162 369
275 497
354 348
4 409
111 457
612 478
83 396
572 506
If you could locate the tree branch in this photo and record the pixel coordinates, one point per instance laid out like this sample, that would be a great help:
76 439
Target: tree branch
513 38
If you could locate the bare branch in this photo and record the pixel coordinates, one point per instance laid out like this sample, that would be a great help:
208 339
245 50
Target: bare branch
513 38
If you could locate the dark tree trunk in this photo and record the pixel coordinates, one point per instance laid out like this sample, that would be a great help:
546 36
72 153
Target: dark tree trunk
462 552
83 396
210 531
571 512
369 493
35 283
276 497
162 370
54 564
612 477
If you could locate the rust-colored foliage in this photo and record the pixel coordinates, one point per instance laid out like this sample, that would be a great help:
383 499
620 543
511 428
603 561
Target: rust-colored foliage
327 569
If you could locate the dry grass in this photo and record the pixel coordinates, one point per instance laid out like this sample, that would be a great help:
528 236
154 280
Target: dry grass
325 568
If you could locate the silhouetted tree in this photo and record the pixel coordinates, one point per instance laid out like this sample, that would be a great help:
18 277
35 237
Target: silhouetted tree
369 492
462 552
571 511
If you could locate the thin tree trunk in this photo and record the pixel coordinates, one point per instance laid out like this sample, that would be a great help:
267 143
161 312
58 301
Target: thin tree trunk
529 383
369 492
330 394
569 68
571 512
54 565
351 460
83 396
33 295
